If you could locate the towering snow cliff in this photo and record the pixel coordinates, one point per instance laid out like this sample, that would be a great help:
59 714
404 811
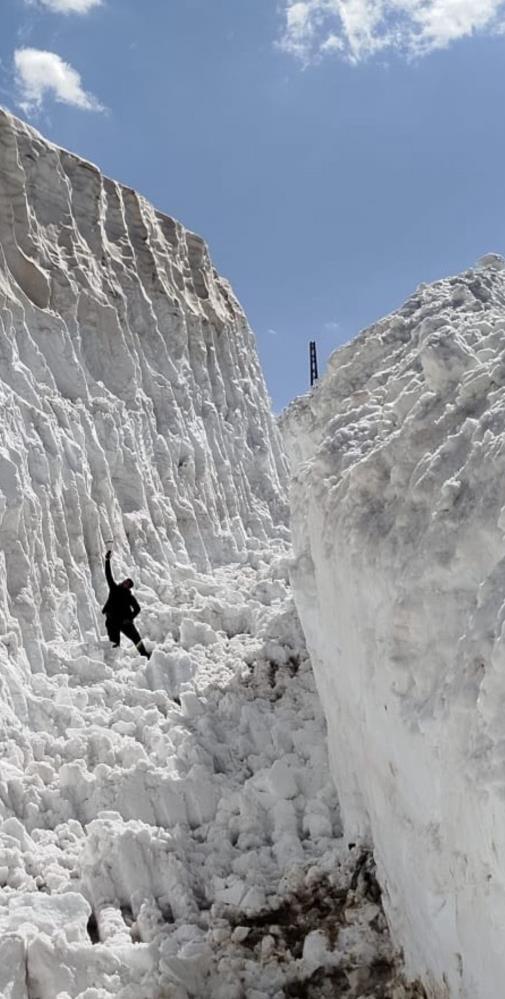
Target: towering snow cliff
133 405
399 531
168 828
132 408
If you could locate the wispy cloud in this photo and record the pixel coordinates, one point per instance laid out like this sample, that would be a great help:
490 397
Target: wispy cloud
330 328
41 74
356 29
69 6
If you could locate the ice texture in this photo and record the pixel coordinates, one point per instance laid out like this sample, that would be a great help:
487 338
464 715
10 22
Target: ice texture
398 509
169 829
133 403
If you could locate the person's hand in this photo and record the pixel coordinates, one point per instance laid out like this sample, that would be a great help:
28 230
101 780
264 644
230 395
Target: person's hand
108 555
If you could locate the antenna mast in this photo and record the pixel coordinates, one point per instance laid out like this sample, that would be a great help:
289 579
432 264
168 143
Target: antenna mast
313 362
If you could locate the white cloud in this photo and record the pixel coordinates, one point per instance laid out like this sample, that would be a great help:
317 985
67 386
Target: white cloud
40 73
356 29
70 6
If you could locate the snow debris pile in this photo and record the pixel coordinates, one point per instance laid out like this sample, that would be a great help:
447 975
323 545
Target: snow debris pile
177 830
168 828
398 503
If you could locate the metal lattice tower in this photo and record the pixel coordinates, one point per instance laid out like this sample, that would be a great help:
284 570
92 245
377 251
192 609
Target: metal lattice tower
313 362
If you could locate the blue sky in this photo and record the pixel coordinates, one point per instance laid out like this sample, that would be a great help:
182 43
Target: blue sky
334 153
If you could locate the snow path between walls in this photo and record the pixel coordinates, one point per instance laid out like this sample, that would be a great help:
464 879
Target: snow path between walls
170 828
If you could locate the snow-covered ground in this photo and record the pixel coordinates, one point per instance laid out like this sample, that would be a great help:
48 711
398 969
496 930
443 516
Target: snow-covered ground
168 829
174 828
398 503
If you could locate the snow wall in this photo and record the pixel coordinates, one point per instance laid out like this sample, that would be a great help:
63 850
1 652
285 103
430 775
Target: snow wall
398 506
148 809
132 402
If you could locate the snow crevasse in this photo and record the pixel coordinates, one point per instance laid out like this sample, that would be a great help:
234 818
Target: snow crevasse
154 816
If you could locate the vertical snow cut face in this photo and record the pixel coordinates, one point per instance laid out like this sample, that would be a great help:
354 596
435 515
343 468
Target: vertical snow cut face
398 515
169 827
132 402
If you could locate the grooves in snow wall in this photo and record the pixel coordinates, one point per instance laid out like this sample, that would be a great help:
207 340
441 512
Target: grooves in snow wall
398 510
132 402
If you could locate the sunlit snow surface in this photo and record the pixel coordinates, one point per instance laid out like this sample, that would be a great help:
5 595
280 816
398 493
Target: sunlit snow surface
168 829
398 508
201 837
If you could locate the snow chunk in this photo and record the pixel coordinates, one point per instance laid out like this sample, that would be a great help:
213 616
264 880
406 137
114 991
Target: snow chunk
67 914
491 261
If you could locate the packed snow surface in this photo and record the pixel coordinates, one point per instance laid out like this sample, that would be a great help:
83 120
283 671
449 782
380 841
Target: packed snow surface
398 500
169 828
176 829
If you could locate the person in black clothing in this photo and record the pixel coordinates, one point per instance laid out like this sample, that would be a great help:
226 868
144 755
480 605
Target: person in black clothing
120 609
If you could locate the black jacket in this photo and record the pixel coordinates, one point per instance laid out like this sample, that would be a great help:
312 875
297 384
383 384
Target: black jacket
121 604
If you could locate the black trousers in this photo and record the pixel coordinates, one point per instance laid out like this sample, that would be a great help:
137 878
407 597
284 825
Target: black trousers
117 628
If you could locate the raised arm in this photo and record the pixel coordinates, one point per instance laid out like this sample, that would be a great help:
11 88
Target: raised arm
108 573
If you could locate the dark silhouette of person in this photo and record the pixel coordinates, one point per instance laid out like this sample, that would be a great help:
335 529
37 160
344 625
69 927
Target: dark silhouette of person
120 610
